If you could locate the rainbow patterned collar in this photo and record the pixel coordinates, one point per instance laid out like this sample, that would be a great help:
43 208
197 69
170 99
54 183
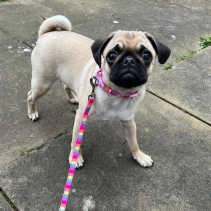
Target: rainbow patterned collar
109 90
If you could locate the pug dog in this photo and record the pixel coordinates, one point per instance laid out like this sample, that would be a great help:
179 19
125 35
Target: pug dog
126 60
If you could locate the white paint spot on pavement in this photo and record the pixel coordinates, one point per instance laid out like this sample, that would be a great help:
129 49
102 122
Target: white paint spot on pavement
115 21
88 203
26 50
173 37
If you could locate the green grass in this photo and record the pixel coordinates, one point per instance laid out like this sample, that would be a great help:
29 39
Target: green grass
27 151
167 66
187 56
204 42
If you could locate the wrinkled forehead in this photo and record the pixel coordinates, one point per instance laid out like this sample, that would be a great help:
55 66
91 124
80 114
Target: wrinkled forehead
130 40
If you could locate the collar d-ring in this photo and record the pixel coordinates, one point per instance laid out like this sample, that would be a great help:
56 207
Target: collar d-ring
93 82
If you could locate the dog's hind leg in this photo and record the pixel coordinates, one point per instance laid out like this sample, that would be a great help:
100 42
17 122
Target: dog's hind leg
36 92
70 95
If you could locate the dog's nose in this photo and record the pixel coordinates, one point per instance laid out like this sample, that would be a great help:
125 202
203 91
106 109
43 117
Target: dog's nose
129 60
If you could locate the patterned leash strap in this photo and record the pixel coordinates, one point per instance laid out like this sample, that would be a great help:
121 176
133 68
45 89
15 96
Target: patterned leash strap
77 148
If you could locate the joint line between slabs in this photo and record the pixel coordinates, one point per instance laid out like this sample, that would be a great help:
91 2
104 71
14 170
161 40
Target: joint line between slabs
8 200
178 107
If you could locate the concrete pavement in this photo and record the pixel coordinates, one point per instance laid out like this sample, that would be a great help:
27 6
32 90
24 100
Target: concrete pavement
173 121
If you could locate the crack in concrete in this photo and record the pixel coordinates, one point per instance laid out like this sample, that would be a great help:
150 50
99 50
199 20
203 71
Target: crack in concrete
26 152
39 148
10 35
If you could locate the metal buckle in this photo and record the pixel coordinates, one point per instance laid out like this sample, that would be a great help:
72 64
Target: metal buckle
93 82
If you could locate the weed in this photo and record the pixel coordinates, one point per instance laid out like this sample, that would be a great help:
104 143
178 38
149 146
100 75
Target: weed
27 151
204 42
187 56
168 66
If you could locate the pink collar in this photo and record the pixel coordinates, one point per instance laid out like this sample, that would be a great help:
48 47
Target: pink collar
110 91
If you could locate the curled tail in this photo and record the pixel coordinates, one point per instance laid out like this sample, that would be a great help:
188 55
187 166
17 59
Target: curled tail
55 23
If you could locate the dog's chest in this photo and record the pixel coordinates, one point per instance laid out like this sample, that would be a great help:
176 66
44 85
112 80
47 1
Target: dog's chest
108 107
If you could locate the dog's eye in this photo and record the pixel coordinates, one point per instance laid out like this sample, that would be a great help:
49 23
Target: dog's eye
147 57
111 57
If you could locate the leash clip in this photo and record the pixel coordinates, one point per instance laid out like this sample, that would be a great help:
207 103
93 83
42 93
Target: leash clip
93 82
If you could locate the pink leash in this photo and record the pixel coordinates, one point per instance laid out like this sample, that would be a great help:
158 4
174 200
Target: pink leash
94 81
75 156
77 147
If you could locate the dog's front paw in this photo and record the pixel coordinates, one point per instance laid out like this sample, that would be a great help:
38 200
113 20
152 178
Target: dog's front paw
79 162
34 116
143 159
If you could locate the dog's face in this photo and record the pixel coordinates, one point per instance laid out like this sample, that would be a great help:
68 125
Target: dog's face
127 57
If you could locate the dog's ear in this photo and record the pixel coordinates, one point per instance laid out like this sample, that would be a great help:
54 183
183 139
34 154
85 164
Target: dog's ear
98 46
162 50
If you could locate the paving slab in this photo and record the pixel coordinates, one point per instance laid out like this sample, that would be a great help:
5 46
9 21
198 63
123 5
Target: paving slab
110 179
190 87
4 206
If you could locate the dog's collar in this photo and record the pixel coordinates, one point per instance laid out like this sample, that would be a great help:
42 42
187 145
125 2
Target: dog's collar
103 86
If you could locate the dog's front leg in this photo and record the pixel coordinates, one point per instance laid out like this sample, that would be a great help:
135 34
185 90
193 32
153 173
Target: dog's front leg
129 128
78 119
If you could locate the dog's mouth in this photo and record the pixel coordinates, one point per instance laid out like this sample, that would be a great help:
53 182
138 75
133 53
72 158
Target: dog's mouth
129 73
129 78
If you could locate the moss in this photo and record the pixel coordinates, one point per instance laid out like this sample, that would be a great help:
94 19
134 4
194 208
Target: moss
8 200
187 56
168 66
27 151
